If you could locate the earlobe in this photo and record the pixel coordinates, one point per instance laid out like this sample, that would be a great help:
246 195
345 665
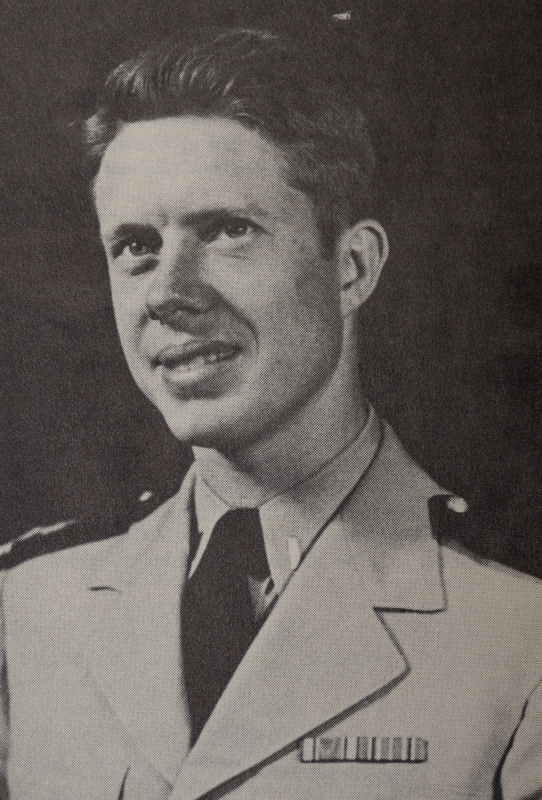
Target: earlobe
363 252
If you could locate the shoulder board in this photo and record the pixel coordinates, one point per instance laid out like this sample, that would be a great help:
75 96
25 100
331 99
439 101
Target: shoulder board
450 517
71 533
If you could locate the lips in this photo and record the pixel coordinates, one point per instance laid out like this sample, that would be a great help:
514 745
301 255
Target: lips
195 354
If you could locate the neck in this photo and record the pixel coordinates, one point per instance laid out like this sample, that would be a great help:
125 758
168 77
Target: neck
308 440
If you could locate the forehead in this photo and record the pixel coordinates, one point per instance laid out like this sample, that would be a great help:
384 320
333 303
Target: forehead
184 163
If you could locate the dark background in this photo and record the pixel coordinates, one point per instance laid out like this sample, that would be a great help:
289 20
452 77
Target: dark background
451 346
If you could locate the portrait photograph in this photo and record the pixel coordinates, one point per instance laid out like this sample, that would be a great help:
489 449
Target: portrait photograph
270 400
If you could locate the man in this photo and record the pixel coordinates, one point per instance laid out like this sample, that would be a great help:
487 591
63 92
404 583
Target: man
286 626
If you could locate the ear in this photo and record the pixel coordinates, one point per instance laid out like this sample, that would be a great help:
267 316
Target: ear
363 250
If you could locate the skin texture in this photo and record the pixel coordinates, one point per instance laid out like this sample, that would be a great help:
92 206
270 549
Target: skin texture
213 255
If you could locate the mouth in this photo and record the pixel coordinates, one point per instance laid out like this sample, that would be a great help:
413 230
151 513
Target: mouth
195 356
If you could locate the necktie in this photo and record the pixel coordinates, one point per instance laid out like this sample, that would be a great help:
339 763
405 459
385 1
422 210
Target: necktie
217 615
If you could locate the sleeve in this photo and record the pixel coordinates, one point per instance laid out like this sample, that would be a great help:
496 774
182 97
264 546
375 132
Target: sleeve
4 698
521 775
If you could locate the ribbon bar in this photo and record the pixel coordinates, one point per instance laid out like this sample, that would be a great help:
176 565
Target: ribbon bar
364 749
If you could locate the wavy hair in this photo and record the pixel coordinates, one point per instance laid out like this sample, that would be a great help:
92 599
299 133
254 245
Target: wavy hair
265 83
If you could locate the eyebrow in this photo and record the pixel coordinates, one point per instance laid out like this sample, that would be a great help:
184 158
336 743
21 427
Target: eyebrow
193 219
129 229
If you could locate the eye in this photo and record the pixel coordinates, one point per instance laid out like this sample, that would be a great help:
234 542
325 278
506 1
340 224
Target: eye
238 228
138 248
230 232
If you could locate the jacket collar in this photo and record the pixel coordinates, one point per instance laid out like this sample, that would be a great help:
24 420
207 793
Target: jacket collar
376 554
302 511
386 534
133 649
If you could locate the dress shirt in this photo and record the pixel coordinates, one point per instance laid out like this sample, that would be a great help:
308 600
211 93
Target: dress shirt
292 520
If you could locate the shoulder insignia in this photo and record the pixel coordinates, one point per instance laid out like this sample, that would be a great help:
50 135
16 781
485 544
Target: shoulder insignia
6 548
63 535
450 517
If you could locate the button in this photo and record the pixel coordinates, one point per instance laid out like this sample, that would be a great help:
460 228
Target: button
457 504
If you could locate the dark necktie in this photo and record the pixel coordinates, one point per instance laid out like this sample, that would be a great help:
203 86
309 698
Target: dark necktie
217 615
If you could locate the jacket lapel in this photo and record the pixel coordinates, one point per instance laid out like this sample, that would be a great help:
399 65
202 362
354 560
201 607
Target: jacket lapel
324 649
133 647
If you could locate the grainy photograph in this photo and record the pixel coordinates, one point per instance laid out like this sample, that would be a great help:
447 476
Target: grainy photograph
270 317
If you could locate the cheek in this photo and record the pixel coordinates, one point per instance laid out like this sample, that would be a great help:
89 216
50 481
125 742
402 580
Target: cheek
128 303
315 279
129 309
317 296
317 290
293 294
304 327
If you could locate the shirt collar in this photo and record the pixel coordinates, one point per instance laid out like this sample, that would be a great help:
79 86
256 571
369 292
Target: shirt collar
291 521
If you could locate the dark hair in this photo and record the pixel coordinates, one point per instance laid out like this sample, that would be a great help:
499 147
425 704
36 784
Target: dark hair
265 83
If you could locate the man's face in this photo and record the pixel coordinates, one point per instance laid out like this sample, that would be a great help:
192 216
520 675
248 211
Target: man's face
228 313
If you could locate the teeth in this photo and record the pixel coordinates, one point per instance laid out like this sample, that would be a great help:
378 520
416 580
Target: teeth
186 365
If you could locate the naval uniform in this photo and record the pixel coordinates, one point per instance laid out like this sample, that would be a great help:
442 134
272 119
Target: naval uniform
388 664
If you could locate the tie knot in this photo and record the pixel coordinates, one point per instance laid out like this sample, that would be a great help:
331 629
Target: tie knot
244 520
238 533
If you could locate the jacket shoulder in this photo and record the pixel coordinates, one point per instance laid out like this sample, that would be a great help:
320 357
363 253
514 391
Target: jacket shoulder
73 533
472 580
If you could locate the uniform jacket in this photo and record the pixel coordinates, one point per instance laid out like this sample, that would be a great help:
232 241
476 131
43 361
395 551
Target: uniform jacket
392 667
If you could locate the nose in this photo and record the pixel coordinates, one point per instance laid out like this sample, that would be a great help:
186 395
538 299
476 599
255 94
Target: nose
178 289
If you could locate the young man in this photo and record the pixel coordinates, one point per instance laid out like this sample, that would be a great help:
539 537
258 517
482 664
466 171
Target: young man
286 626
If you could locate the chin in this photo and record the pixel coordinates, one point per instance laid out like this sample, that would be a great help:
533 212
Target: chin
228 422
200 426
